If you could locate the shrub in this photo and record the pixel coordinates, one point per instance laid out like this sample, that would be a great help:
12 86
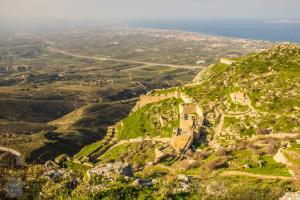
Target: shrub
221 152
216 164
202 155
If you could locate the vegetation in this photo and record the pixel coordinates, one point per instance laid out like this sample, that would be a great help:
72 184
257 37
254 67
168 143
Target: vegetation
156 119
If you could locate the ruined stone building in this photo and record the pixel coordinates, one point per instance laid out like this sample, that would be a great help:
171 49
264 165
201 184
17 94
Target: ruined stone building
189 131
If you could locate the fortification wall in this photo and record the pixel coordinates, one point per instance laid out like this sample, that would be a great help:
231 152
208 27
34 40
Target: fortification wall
226 61
148 98
152 98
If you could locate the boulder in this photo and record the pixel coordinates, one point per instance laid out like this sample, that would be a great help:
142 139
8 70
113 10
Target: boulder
291 196
56 175
14 188
159 155
182 178
261 163
246 166
111 169
149 182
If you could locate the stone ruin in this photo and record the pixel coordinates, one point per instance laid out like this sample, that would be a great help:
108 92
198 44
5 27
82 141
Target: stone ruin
189 131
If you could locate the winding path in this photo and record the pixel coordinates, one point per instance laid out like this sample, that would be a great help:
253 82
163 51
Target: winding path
240 173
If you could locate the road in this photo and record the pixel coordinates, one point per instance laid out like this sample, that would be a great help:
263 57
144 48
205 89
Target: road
119 60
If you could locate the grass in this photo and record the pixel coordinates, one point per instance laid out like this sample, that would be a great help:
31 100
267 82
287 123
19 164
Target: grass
135 153
77 167
156 119
245 157
270 167
87 150
235 107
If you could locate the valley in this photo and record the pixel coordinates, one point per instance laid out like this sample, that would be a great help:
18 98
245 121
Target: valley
117 124
46 76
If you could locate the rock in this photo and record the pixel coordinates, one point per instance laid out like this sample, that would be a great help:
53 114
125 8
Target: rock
183 187
56 175
246 166
110 169
261 163
139 182
159 155
14 188
286 144
291 196
280 157
50 165
183 178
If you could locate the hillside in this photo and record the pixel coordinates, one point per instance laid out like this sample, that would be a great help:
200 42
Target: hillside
234 133
257 94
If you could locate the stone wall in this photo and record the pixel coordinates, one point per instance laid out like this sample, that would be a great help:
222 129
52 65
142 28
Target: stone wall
148 98
226 61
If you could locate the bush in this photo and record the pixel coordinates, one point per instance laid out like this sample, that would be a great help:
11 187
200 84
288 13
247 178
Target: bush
202 155
216 164
221 152
270 148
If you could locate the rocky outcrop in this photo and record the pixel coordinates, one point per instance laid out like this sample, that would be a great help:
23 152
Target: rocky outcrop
110 170
56 174
14 188
140 182
280 157
291 196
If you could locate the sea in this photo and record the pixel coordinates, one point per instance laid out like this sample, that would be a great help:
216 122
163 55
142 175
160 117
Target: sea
281 31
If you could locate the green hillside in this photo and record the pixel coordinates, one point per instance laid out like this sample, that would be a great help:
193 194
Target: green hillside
156 119
271 82
249 147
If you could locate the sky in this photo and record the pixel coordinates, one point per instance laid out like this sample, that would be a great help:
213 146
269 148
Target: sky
150 9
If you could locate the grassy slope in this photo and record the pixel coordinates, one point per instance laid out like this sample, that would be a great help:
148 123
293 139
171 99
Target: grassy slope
135 153
146 121
270 79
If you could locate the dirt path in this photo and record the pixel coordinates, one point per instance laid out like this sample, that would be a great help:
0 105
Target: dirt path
119 60
218 129
275 135
239 173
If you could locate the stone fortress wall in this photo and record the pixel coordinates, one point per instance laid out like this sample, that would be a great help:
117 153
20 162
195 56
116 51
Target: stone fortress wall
153 98
190 114
227 61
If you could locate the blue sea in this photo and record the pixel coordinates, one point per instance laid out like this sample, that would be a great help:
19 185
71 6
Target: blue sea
259 30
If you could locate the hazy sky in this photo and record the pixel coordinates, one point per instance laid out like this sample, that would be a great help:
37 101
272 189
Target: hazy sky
150 9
